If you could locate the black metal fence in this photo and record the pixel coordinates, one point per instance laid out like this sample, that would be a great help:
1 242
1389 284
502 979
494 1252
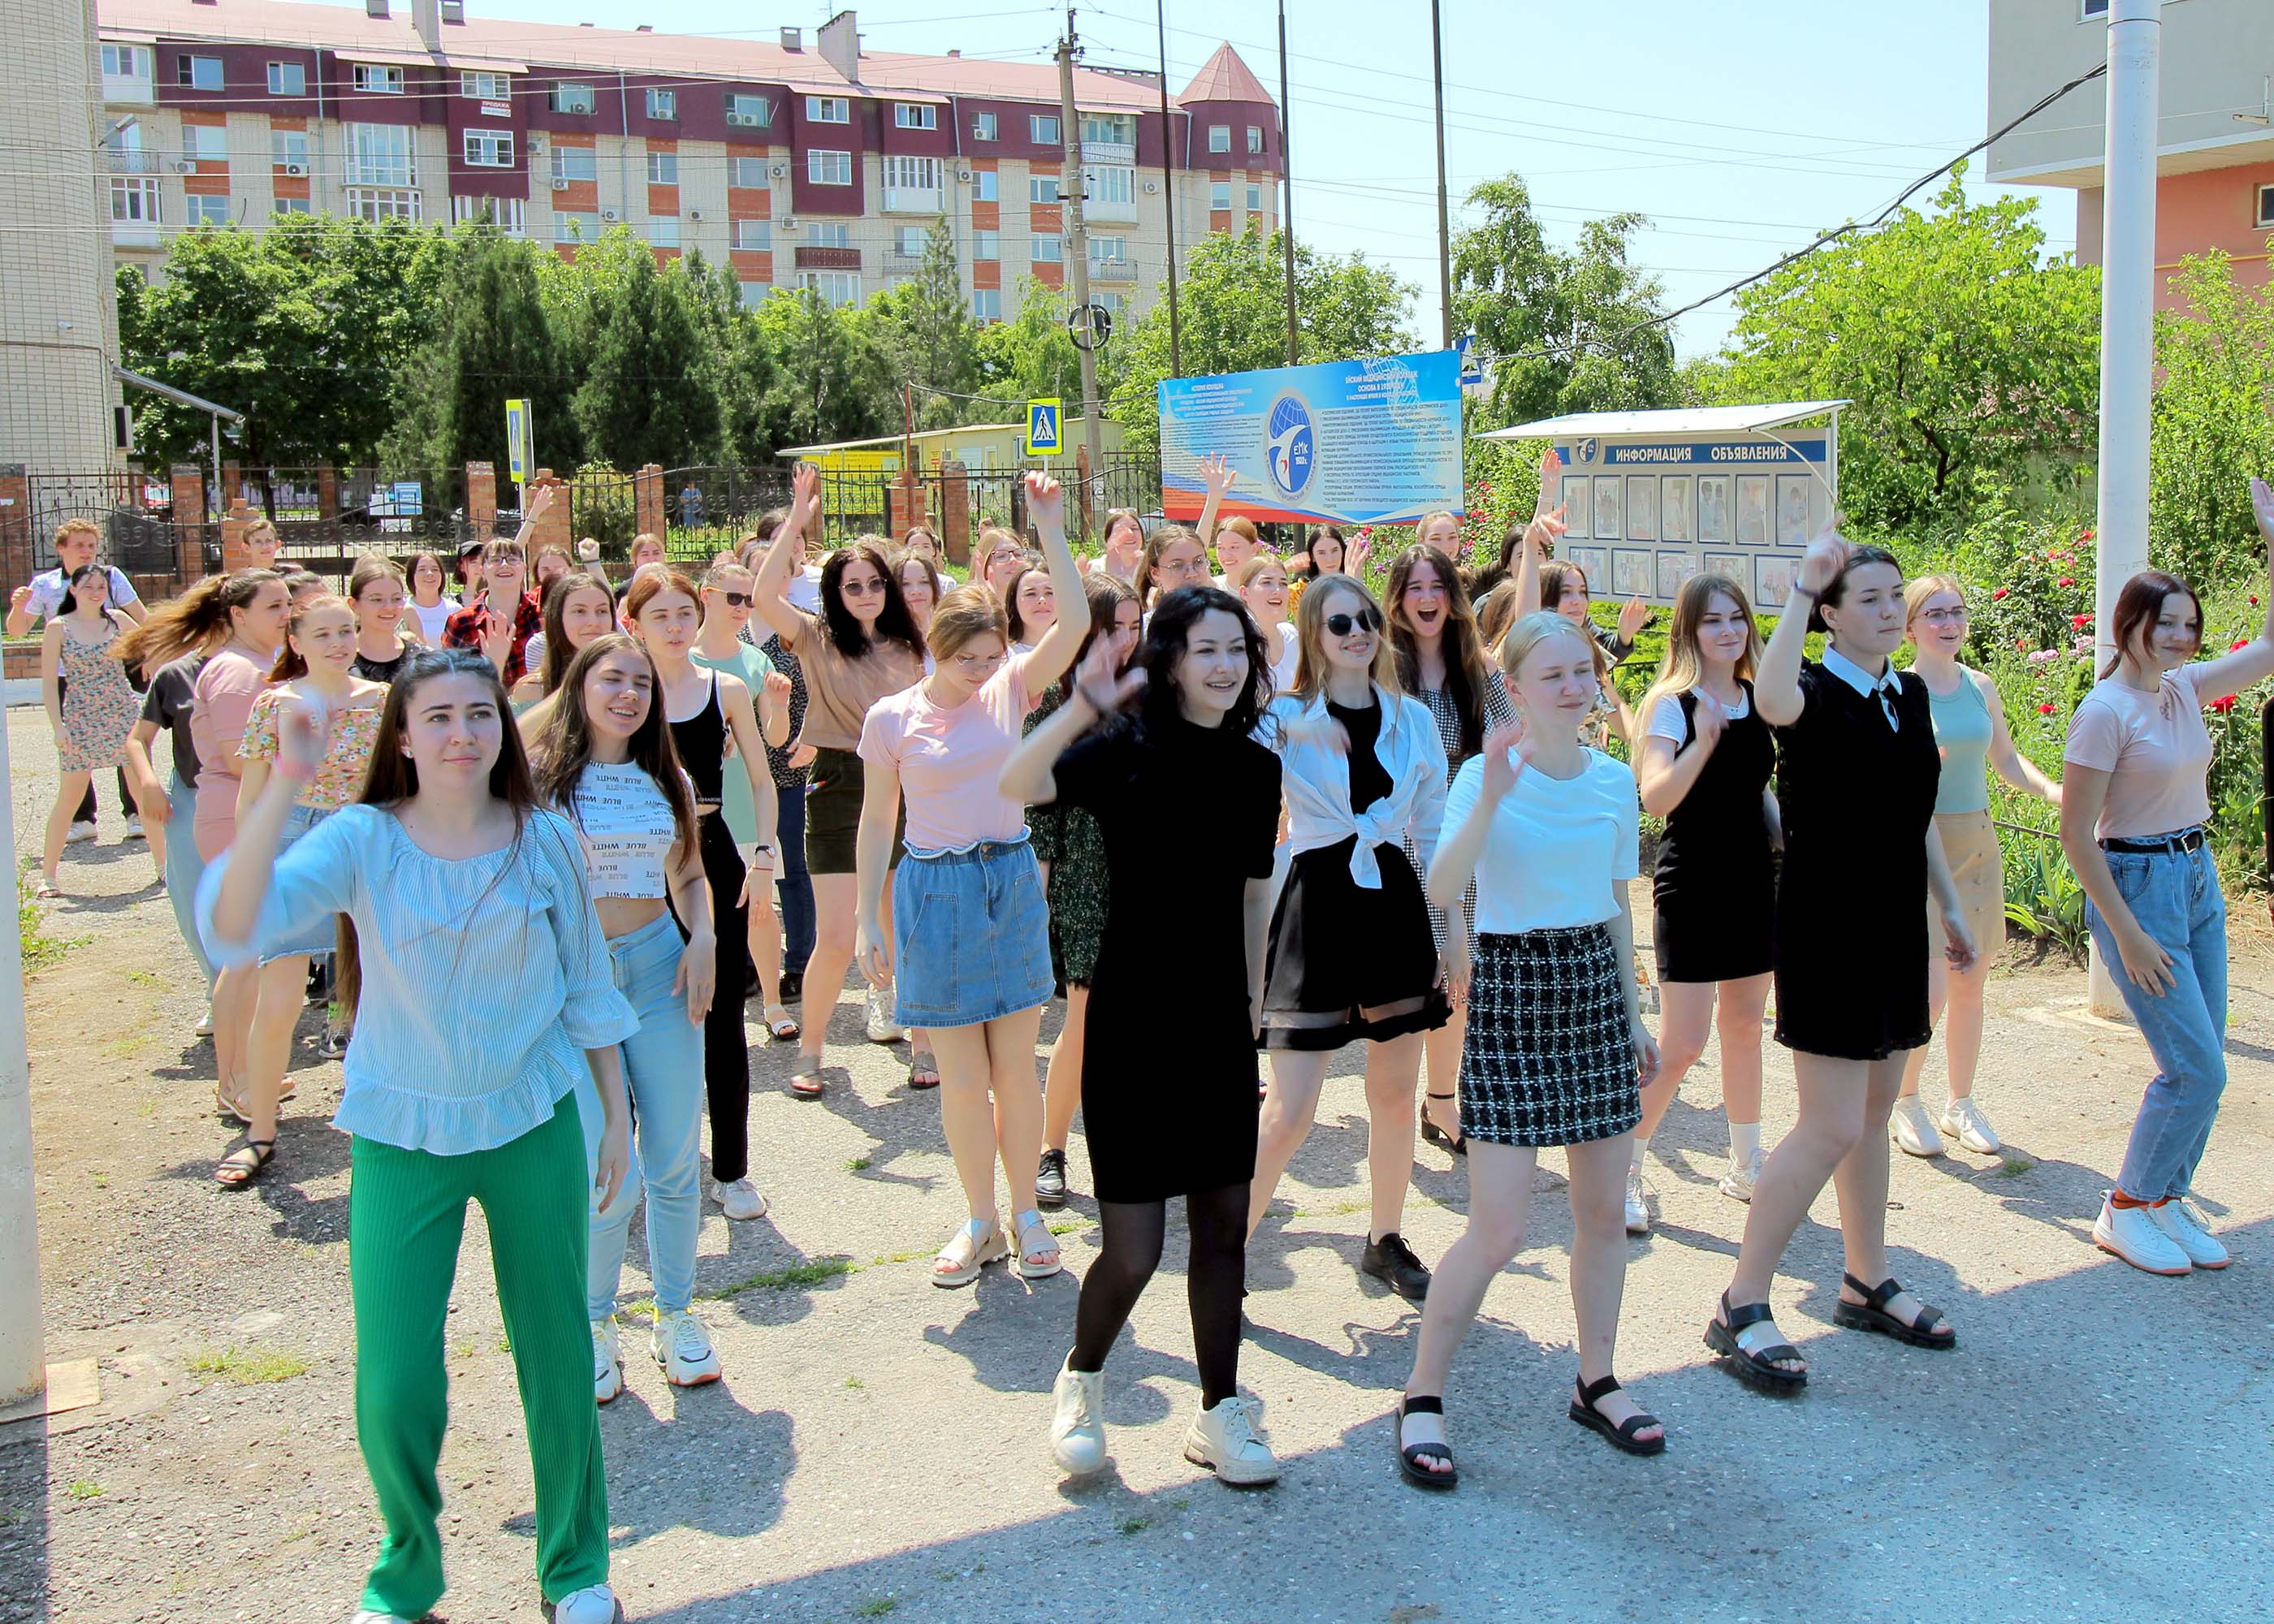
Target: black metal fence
134 511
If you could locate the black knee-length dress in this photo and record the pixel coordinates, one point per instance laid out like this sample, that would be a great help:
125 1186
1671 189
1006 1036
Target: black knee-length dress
1856 796
1711 920
1168 1078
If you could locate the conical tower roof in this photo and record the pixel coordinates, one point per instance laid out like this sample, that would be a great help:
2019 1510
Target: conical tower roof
1225 78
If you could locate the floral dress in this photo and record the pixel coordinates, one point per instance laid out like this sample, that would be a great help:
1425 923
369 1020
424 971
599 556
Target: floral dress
346 756
1069 841
100 707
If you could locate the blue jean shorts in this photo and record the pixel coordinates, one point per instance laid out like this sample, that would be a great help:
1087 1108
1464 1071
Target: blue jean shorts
971 938
298 821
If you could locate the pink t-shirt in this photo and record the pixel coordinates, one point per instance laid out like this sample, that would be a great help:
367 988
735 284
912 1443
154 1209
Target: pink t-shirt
949 760
221 703
2157 749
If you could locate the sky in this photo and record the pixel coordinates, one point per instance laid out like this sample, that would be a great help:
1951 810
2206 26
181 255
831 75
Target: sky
1740 128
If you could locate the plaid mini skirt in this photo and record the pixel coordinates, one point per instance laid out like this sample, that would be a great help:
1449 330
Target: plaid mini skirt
1549 1058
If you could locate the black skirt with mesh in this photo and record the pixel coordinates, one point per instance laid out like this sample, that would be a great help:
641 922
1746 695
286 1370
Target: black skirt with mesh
1349 961
1549 1058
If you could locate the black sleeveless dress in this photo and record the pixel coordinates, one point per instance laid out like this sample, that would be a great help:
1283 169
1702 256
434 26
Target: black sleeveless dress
701 740
1714 917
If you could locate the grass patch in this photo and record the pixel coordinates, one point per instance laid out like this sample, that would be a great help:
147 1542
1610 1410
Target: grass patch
144 978
128 1047
876 1608
2013 1167
859 1165
1068 1226
86 1488
852 1382
1128 1526
798 1274
41 948
247 1367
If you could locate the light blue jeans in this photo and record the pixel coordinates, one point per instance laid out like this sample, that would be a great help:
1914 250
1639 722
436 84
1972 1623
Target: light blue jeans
663 1063
183 869
2175 896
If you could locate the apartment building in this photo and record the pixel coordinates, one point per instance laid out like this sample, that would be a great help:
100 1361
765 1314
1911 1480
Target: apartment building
803 164
2215 133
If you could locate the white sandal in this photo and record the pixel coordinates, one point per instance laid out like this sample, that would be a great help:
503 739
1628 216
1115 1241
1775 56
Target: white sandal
1027 1223
976 1244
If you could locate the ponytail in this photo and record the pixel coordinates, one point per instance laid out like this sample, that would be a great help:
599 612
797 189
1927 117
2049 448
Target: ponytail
196 620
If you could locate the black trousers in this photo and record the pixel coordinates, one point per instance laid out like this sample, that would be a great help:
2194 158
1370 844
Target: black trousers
725 1046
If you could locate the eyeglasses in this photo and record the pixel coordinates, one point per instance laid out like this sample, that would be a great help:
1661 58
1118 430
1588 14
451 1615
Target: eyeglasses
1343 624
1942 617
734 600
861 588
969 662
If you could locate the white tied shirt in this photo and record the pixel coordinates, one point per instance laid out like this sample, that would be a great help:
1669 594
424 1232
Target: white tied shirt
1315 778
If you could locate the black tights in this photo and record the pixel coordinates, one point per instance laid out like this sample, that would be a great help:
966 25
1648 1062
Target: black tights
1215 1278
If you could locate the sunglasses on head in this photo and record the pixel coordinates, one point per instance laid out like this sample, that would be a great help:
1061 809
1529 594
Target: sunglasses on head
1344 625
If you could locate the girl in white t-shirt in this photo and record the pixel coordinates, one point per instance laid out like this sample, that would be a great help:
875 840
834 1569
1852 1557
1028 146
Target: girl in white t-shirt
429 606
1262 584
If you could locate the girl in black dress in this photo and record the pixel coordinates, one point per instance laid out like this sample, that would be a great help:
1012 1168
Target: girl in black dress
1170 1104
1703 767
1857 766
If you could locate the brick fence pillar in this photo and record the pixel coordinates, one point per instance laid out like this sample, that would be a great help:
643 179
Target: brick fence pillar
189 488
481 498
648 501
954 511
554 526
232 485
19 550
235 520
906 499
328 492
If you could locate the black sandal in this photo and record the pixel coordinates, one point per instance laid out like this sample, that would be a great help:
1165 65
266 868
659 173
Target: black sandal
1410 1456
1871 1314
1759 1371
1452 1143
1621 1436
262 1152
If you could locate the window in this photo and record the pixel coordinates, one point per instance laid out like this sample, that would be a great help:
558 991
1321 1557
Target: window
751 172
376 206
754 234
828 110
829 169
752 294
1220 196
1108 250
663 169
484 86
508 215
382 155
912 184
2265 206
581 227
375 80
1112 186
570 98
126 61
832 234
1220 137
134 200
986 245
205 143
199 73
288 147
287 78
1042 128
1041 188
911 116
1255 196
663 231
1049 250
982 126
289 206
205 211
908 240
987 304
985 187
2095 8
576 163
750 112
663 104
1255 138
1116 129
837 287
489 149
1114 303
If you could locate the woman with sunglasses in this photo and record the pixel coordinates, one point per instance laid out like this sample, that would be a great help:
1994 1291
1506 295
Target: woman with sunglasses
860 648
1363 769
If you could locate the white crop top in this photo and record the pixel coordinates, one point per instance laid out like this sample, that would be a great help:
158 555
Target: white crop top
623 820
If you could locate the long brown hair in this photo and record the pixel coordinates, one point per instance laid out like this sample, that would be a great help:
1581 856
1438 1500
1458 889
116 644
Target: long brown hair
557 651
894 622
564 745
1464 655
1159 542
1555 574
196 620
2138 605
1310 635
290 663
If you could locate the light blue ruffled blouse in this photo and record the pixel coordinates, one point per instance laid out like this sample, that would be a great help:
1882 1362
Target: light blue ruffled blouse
484 979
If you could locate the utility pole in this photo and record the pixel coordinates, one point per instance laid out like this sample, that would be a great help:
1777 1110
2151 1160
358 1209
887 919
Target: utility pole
1444 226
1071 193
23 1356
1169 188
1287 183
2127 313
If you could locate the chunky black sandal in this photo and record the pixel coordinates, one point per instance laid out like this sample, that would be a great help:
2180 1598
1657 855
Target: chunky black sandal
1759 1371
1452 1143
1410 1456
247 1159
1871 1314
1621 1436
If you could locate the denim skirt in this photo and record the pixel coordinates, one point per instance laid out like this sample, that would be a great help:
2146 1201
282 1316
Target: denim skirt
318 939
971 937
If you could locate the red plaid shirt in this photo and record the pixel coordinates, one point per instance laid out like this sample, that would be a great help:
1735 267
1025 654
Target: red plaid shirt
470 627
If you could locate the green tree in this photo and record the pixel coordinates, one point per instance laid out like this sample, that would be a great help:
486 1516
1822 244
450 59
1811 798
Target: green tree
1031 356
1971 359
491 340
925 335
646 395
830 381
735 364
2212 425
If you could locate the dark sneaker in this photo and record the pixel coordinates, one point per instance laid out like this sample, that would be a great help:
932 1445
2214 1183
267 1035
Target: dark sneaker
1050 1182
1392 1261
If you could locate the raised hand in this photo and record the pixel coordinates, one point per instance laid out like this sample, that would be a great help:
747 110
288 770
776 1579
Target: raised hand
588 550
1101 688
302 730
497 637
1545 530
539 503
1046 500
805 493
2262 508
1827 557
1218 475
1507 753
1355 555
1551 481
1632 617
22 595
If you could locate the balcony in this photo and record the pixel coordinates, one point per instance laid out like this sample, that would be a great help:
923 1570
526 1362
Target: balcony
811 258
902 264
129 90
1121 153
1112 270
1109 211
911 199
134 234
132 160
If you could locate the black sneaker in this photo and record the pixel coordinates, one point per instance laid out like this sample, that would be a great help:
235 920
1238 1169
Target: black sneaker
1050 1182
320 981
792 985
1392 1261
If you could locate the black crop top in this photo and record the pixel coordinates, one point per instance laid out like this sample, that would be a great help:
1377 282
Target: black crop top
702 742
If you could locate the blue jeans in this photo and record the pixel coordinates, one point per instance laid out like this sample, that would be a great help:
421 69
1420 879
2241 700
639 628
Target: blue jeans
792 882
663 1063
183 869
2175 896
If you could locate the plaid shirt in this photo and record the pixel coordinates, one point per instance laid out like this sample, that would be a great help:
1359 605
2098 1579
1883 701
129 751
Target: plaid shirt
470 627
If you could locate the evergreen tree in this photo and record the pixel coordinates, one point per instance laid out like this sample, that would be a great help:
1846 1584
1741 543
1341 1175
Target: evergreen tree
491 340
927 338
645 396
831 382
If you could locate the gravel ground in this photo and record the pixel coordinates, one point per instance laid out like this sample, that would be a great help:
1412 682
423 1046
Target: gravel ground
2097 1449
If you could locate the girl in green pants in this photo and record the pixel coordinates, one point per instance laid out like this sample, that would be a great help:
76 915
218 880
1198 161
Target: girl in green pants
454 879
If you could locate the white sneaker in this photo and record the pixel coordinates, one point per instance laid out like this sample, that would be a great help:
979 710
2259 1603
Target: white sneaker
741 1199
80 834
2132 1234
1964 1122
1638 1214
365 1615
1738 1183
2178 1223
882 1027
1076 1432
1914 1129
1224 1440
134 828
607 1361
681 1344
595 1604
205 1023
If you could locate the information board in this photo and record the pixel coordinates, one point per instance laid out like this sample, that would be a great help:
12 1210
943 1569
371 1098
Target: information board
1371 441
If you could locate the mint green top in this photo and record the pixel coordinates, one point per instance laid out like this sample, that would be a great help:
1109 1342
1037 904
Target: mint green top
1961 728
734 803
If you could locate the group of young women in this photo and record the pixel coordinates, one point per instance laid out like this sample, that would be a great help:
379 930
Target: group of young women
1412 842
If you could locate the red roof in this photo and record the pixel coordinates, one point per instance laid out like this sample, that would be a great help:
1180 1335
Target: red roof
1225 78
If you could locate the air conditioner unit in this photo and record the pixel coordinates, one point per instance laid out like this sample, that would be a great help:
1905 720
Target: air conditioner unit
609 215
536 144
185 165
559 184
790 223
963 175
296 168
780 170
745 121
1152 186
695 213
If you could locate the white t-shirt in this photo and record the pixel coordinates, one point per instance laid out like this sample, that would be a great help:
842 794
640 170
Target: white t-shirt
1557 848
803 589
431 621
49 587
1283 664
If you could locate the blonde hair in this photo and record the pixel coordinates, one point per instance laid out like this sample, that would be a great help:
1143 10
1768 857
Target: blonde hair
1530 631
68 525
291 663
963 615
1310 635
1240 525
259 525
1679 673
1916 592
1256 566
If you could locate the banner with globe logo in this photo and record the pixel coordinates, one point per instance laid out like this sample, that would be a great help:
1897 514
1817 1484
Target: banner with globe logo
1374 441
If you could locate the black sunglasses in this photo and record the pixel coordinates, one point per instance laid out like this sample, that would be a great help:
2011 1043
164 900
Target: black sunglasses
734 600
1343 624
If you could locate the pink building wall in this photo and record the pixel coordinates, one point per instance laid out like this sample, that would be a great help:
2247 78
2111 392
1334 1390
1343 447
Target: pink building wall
2210 209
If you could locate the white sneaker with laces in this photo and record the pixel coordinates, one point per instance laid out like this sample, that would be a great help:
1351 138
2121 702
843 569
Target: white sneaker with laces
595 1604
134 828
681 1344
1914 1129
2132 1234
1738 1183
80 834
607 1361
1638 1214
882 1027
2180 1225
1077 1429
741 1199
1963 1121
1225 1440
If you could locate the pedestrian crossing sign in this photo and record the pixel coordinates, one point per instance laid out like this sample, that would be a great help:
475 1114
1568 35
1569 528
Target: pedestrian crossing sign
1043 438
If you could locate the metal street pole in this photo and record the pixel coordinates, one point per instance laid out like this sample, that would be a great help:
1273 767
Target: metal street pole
1169 189
22 1351
1444 224
1287 183
1070 191
2127 312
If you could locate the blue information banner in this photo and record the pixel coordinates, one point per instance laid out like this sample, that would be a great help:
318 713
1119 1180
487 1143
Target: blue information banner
1376 441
